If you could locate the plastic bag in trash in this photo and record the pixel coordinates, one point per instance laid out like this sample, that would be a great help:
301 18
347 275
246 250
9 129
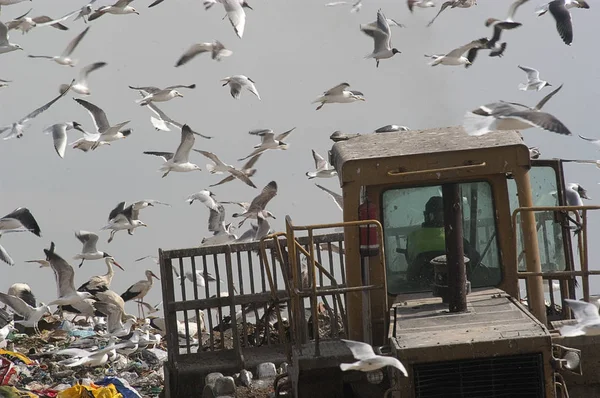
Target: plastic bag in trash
12 392
82 333
122 386
16 357
7 371
81 391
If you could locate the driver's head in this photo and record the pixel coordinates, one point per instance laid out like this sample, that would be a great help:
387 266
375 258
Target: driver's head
434 211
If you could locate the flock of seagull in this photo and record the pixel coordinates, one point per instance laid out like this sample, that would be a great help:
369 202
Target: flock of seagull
94 299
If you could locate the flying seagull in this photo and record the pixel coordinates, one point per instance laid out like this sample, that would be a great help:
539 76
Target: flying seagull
178 161
356 5
31 316
25 23
258 204
21 217
89 251
512 116
367 360
560 11
419 3
268 141
125 217
121 7
453 4
586 315
59 135
324 169
382 38
82 12
216 49
5 45
104 131
16 129
156 94
235 13
81 84
509 22
340 95
248 170
65 282
237 82
65 57
456 56
219 168
533 80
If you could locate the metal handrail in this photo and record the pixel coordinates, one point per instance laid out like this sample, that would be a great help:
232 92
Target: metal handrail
292 258
585 272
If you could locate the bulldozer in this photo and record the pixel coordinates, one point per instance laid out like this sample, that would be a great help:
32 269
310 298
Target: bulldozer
455 255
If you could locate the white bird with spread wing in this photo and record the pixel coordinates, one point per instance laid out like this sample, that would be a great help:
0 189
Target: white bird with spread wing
218 167
178 161
257 206
324 169
339 95
382 38
367 360
65 57
268 141
31 316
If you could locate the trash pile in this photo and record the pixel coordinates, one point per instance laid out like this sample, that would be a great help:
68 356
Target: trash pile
72 360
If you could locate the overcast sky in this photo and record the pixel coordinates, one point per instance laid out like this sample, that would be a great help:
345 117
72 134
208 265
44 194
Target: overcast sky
293 50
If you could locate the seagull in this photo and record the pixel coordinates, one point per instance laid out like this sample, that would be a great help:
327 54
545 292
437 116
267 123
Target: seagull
337 198
156 94
178 161
4 83
163 122
235 13
453 4
506 116
221 236
356 5
258 204
382 38
419 3
5 45
201 277
59 135
16 129
509 22
64 274
119 8
25 23
139 290
219 168
367 360
324 169
216 49
247 169
205 196
534 152
560 11
340 95
82 12
89 251
587 317
121 218
237 82
31 316
81 85
574 194
268 141
542 9
65 57
391 128
456 57
256 232
533 80
104 131
21 217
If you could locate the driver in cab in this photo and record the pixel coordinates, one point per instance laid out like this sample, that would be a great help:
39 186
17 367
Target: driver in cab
429 241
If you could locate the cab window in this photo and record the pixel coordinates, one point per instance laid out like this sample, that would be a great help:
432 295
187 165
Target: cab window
414 235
